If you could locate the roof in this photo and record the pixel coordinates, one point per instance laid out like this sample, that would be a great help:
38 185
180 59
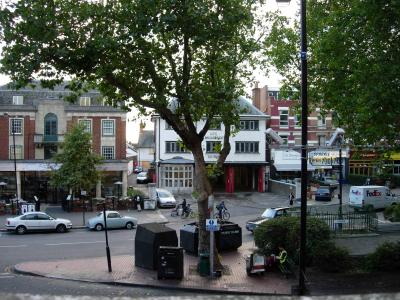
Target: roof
33 96
177 160
146 139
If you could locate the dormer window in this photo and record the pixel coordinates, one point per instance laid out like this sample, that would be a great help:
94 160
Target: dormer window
18 100
84 101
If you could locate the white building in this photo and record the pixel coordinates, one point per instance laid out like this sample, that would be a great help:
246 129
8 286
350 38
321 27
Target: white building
244 166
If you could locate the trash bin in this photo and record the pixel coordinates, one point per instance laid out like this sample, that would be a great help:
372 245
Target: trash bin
149 203
170 262
204 264
189 238
229 237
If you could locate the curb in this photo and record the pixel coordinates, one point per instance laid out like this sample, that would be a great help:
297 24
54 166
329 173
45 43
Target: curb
199 290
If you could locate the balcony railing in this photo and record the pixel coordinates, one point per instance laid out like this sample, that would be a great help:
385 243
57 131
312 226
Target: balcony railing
48 139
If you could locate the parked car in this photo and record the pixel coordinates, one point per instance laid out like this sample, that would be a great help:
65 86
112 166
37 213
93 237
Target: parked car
323 193
138 170
329 181
268 214
114 220
142 177
165 198
36 221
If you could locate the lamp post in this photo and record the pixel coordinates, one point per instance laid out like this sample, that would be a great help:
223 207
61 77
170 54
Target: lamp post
304 132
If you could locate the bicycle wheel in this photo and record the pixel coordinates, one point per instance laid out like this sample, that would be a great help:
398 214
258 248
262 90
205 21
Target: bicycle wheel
226 215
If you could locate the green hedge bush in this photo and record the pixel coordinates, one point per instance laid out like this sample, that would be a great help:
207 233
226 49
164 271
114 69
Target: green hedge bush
392 213
330 258
285 231
385 258
133 192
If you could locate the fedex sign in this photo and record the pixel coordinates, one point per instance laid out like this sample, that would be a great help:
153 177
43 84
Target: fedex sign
374 193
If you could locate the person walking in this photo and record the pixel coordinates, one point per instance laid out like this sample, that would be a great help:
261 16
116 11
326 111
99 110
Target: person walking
291 198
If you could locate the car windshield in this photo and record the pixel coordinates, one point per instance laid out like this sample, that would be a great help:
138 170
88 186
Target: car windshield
269 213
164 194
143 174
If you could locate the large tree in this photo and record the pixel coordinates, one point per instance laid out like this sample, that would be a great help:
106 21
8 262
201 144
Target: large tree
353 63
196 52
76 162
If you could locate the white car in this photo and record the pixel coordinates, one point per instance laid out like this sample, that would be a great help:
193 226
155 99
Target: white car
142 177
114 220
35 221
165 198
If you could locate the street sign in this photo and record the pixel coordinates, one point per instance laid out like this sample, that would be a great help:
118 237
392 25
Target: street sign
212 225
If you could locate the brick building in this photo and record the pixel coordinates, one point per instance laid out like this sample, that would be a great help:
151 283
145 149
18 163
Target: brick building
33 123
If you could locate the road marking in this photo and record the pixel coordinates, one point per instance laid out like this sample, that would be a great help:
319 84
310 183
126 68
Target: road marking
14 246
75 243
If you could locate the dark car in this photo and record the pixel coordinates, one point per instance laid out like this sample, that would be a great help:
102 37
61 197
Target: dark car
323 194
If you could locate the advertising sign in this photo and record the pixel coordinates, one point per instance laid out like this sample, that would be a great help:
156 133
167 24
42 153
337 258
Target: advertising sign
325 158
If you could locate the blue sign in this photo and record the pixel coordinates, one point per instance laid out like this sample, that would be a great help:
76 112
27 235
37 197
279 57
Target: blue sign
212 225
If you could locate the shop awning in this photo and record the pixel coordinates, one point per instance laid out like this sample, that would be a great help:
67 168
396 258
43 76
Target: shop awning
289 160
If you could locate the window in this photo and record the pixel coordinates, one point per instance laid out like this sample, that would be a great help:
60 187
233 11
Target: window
283 118
246 147
174 147
107 152
87 124
43 217
274 94
18 100
178 176
18 152
84 101
49 150
213 146
50 126
321 140
16 125
249 125
321 121
107 127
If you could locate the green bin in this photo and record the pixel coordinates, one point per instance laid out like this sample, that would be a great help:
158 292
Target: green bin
204 264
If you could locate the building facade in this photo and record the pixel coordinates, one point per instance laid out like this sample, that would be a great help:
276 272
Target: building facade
145 148
244 168
33 123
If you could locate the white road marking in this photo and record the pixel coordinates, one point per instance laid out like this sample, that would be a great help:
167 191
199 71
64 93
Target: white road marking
75 243
14 246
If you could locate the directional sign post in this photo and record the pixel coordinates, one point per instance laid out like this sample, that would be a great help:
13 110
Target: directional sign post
212 225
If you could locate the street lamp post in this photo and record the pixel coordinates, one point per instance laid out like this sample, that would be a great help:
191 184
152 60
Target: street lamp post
304 132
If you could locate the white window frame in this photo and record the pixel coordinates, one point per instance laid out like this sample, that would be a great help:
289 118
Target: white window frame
323 139
249 125
20 127
282 122
105 132
211 145
321 121
247 147
86 122
177 176
174 147
106 154
84 101
18 100
19 153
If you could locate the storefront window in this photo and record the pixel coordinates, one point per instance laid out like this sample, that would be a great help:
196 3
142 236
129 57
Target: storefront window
177 176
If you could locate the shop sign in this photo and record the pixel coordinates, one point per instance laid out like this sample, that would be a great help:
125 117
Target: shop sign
325 158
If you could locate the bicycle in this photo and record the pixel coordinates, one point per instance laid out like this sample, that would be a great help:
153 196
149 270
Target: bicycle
225 215
176 211
188 212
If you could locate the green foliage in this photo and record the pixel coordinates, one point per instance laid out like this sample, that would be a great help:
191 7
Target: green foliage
214 171
285 231
353 64
385 258
78 162
330 258
392 213
133 192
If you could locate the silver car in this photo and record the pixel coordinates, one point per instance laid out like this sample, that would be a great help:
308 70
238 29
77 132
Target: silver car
114 220
268 214
165 198
36 221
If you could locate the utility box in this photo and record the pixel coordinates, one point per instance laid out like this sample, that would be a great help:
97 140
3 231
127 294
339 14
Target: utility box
189 238
170 262
149 237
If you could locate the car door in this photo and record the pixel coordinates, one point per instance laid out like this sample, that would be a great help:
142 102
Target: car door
30 221
112 220
45 222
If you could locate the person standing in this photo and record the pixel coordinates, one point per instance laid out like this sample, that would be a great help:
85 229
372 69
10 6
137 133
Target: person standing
291 198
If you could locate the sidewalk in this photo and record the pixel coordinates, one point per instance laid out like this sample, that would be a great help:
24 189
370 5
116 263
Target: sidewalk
234 279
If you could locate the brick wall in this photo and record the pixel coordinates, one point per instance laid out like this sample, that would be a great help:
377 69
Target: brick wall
4 134
29 132
96 130
120 139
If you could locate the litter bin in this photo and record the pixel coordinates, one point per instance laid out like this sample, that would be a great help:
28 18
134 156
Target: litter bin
229 237
149 203
170 262
189 238
204 264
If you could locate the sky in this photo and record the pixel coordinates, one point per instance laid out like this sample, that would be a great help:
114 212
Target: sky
273 79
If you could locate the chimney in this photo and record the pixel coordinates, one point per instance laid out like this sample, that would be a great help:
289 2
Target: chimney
256 95
265 101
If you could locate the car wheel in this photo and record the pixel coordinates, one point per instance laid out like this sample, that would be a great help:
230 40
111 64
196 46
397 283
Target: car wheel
20 229
98 227
61 228
129 225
